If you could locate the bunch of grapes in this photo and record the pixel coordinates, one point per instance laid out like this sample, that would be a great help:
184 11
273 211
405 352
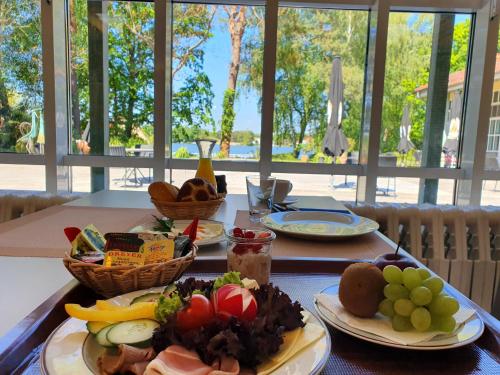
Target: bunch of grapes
414 298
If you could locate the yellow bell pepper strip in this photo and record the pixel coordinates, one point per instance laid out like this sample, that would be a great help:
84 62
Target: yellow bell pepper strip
107 306
140 310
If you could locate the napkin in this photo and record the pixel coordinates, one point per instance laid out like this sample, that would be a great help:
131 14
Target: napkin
381 326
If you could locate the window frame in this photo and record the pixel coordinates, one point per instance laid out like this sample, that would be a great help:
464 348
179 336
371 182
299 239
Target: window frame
57 158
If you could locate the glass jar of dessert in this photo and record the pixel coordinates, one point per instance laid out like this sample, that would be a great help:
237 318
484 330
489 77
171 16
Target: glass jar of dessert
249 252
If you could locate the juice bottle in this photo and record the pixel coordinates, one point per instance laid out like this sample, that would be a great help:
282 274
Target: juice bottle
205 168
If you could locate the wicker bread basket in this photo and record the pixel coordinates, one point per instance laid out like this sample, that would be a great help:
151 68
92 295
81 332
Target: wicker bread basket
188 210
112 281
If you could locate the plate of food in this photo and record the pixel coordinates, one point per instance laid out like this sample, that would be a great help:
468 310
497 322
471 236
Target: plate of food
405 309
319 224
221 326
208 232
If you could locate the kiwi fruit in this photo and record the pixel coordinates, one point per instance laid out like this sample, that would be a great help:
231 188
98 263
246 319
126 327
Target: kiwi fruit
361 289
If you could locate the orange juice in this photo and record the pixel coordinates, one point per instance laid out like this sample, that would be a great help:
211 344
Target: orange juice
206 171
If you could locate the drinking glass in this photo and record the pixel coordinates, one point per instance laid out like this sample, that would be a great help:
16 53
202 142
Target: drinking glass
260 192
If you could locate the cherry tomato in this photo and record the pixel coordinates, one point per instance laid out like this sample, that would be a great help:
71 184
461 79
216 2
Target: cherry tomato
198 313
234 300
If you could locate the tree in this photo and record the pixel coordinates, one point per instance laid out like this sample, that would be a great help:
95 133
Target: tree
236 15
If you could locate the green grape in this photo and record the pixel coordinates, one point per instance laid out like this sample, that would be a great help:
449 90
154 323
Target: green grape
404 307
395 292
401 323
424 274
421 319
386 308
435 284
393 274
443 305
421 296
444 323
411 278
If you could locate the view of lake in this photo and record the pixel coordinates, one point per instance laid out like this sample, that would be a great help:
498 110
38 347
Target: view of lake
237 151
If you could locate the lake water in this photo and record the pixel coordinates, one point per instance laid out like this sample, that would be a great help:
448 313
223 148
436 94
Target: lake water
236 151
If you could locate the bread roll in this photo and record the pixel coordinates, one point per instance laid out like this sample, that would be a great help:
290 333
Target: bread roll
196 190
163 191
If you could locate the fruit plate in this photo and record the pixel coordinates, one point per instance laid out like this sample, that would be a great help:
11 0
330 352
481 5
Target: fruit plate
469 332
319 224
210 232
70 349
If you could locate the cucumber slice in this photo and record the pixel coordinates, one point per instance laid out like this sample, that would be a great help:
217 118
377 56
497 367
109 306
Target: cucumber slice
148 297
95 327
133 332
102 336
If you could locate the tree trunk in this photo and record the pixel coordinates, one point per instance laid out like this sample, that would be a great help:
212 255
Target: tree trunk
303 126
75 99
237 23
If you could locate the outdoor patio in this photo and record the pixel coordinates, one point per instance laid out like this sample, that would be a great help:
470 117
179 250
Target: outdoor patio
31 177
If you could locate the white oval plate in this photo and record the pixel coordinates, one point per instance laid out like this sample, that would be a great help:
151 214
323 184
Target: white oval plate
469 332
212 236
319 224
68 350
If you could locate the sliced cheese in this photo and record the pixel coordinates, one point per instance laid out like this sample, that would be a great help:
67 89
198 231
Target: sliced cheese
294 342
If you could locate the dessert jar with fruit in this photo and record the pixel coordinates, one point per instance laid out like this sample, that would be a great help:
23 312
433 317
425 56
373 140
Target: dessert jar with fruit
249 252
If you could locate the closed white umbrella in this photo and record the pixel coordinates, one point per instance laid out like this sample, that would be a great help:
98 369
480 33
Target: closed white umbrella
453 128
335 142
405 144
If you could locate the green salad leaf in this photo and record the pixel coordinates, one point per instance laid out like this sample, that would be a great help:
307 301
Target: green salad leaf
167 306
232 277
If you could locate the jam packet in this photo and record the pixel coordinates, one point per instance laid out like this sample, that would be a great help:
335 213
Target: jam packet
89 240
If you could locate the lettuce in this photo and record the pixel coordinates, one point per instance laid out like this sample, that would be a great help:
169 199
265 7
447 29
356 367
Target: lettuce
232 277
166 307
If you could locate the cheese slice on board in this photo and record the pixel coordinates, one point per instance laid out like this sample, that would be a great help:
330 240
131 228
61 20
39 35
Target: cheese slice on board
294 342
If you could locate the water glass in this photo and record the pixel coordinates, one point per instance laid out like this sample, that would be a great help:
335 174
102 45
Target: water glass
260 192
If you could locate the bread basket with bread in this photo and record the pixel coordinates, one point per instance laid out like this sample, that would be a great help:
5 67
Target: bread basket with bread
195 198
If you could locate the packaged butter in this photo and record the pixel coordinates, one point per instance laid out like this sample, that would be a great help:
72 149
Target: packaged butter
123 258
93 238
158 251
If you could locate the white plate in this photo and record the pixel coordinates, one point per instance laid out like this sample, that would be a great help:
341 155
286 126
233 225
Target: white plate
469 332
71 350
214 236
319 224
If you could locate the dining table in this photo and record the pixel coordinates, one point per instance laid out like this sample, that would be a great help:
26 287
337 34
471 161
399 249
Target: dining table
34 285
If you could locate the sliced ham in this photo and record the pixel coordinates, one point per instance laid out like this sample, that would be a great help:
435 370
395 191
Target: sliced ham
225 366
127 357
177 360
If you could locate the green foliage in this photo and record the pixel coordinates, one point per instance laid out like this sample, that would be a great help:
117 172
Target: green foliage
192 108
285 157
243 137
228 115
182 153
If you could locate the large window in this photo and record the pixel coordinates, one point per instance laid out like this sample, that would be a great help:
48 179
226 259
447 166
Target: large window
21 88
216 79
320 62
344 99
111 77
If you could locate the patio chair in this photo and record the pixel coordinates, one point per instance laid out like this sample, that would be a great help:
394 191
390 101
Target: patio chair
388 161
121 151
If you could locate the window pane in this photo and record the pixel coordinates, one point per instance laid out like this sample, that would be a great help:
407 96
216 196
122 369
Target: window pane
112 77
405 190
217 79
21 89
491 193
406 106
315 45
22 178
